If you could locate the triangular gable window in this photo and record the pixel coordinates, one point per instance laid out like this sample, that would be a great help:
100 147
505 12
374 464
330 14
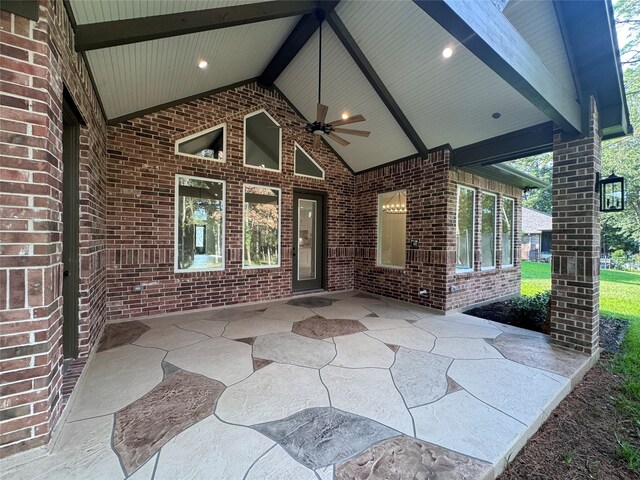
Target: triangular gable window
306 166
210 144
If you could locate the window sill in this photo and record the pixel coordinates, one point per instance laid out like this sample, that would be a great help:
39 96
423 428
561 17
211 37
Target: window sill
261 267
391 267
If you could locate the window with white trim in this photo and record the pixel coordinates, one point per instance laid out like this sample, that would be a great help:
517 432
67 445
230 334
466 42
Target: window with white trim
261 227
305 166
465 231
392 229
489 201
199 224
508 215
210 144
262 141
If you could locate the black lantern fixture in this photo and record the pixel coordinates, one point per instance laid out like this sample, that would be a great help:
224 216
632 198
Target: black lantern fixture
611 191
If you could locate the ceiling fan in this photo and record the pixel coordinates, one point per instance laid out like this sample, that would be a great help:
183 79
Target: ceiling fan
319 127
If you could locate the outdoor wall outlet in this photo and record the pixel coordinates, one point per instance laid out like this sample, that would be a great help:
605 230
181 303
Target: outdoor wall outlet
413 243
454 288
138 288
423 292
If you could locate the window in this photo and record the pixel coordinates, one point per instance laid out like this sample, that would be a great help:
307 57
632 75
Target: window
488 230
261 227
211 143
199 224
464 229
305 166
392 229
507 231
262 139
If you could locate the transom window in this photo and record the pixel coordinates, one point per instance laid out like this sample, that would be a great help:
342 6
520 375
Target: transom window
211 144
305 166
199 224
262 141
261 227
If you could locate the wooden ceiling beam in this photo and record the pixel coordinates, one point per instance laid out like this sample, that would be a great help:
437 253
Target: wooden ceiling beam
489 35
376 82
299 36
92 36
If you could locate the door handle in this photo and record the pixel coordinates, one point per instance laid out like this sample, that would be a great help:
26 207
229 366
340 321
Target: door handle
66 273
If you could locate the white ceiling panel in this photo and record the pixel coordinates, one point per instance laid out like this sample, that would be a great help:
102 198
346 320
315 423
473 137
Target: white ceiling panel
538 24
134 77
344 88
446 100
93 11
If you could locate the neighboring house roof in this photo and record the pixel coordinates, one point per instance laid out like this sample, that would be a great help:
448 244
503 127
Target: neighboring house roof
534 221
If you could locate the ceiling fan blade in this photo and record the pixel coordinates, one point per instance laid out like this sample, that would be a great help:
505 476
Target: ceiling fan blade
354 119
348 131
322 113
338 139
316 141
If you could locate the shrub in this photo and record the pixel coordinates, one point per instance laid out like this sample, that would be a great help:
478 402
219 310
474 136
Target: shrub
619 257
531 311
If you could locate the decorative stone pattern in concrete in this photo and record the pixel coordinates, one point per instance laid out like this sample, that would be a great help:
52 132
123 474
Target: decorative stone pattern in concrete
123 333
408 458
317 437
175 404
320 328
421 377
372 403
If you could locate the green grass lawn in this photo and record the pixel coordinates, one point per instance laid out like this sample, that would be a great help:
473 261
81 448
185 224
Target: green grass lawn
620 298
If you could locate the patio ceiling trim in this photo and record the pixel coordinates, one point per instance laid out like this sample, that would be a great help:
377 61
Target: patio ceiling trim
92 36
374 79
505 174
521 143
299 36
489 35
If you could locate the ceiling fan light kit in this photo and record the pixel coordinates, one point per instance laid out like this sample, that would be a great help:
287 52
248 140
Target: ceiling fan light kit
320 128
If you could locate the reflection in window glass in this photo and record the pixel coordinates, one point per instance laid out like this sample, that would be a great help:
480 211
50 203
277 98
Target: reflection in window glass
261 141
199 224
464 234
207 144
261 227
392 228
507 231
488 230
305 165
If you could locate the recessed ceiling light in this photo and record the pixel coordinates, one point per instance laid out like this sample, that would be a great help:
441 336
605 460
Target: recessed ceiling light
496 115
447 52
345 115
202 64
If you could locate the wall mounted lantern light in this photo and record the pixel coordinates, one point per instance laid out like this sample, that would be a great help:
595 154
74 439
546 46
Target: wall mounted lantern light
611 191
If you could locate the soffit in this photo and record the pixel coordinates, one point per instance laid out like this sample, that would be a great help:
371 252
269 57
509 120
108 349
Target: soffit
446 100
344 88
138 76
537 22
96 11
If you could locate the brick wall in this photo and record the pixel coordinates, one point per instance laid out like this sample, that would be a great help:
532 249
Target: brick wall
141 169
37 57
431 220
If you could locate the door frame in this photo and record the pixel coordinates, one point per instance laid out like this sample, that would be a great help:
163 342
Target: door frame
322 236
72 120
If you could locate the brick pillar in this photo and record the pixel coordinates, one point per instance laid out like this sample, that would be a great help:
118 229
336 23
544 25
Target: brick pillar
575 278
30 233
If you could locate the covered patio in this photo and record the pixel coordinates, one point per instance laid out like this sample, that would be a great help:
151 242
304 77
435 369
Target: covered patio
341 385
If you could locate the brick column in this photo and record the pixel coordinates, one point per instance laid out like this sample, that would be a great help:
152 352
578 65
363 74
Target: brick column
575 279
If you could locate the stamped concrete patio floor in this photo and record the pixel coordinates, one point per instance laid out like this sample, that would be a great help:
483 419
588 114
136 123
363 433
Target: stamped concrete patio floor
342 386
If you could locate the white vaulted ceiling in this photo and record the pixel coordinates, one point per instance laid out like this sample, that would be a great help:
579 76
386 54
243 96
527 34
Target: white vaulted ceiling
446 101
